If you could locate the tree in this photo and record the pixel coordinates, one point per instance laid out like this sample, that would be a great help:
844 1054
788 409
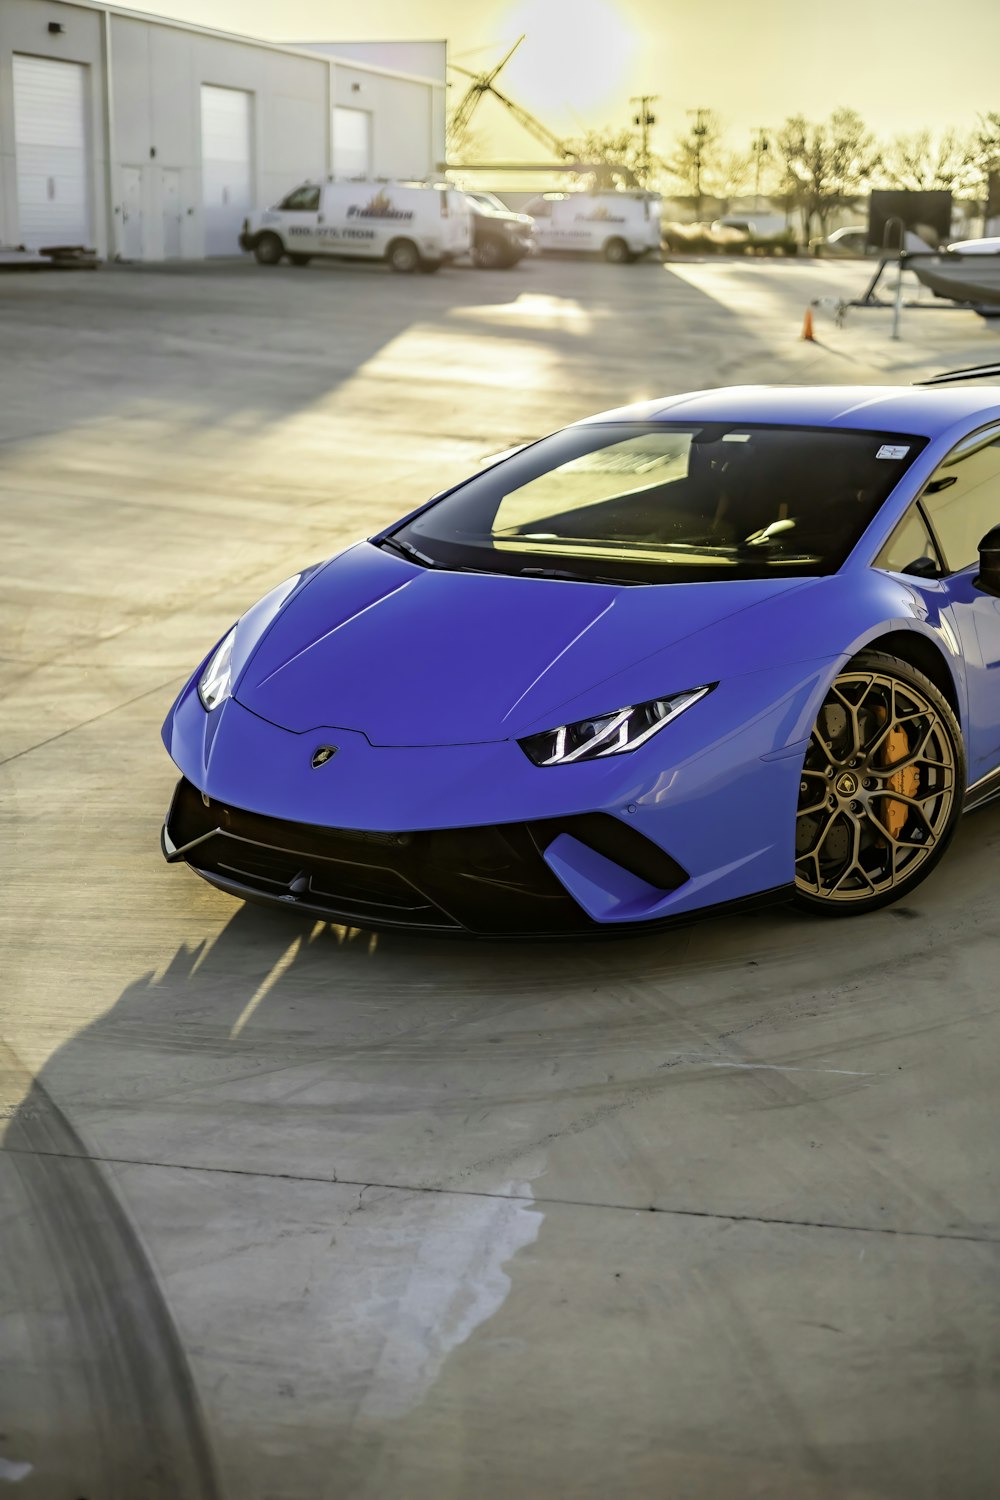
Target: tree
610 150
730 175
986 143
825 165
696 156
987 149
921 162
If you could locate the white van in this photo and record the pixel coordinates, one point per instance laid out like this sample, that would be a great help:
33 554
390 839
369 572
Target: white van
621 226
413 226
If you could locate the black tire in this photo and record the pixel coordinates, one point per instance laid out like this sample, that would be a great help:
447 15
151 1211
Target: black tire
300 260
491 255
881 788
268 249
404 257
616 252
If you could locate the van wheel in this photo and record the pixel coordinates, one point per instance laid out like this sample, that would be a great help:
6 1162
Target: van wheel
616 252
491 256
268 249
300 260
403 256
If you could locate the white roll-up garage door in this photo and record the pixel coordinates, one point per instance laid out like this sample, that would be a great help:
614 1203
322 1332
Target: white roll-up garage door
226 157
50 139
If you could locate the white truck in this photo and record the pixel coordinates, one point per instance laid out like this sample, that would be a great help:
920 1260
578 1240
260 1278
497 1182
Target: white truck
622 226
413 226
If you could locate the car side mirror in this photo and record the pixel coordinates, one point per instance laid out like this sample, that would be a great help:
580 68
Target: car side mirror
923 567
989 563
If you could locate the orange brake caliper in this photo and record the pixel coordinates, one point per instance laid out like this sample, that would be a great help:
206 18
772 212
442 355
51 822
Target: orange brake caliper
906 782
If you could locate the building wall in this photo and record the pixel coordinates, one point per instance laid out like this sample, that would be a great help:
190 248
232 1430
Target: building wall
158 72
403 121
24 29
427 60
152 116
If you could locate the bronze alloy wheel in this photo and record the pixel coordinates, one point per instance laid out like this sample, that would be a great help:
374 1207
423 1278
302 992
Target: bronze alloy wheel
881 788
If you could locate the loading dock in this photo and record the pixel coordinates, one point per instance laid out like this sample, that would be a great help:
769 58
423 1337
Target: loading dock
50 134
151 139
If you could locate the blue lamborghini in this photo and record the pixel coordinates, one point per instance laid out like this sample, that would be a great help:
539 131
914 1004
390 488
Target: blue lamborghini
731 646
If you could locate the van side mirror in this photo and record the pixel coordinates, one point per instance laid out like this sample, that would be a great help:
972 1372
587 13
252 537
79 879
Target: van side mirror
989 563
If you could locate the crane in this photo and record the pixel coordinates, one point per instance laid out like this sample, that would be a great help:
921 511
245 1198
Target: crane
484 83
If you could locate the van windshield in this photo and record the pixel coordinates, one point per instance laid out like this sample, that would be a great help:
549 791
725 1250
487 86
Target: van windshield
666 504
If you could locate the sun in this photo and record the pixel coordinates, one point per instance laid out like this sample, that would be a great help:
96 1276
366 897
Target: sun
576 56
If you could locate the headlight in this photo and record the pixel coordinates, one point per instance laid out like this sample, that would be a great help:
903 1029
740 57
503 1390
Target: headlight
611 734
217 679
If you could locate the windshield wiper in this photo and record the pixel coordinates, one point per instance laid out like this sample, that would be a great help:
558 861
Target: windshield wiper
409 552
571 577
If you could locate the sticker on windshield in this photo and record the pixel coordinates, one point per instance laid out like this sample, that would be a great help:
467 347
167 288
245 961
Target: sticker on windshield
892 450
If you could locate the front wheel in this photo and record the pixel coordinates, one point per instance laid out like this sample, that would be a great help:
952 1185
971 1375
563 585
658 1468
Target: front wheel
268 249
616 252
491 255
881 788
403 256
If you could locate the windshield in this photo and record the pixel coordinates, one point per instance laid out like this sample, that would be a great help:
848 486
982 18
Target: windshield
488 201
667 504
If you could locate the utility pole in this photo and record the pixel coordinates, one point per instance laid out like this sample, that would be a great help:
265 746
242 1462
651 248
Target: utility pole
644 120
761 146
699 130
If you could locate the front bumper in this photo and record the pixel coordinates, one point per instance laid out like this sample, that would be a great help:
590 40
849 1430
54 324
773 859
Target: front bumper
482 880
476 838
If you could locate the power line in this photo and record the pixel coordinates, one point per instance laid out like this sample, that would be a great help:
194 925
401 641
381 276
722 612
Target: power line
644 119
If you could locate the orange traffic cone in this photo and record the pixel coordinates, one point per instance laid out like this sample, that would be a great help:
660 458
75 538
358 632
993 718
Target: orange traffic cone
807 326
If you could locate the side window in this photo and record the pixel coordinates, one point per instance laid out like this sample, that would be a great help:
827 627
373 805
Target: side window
303 200
962 498
910 549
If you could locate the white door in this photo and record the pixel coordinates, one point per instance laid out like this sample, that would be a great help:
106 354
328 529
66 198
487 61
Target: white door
131 186
352 142
50 140
226 166
170 203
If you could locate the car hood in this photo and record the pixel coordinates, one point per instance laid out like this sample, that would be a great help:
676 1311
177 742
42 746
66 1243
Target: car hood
417 656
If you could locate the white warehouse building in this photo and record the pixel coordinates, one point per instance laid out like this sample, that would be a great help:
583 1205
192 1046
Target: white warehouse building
150 139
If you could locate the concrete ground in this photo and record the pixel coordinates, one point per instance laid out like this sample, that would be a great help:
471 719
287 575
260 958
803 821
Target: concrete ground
306 1214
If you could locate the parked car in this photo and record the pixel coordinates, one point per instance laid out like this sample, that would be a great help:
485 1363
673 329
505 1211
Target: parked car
500 237
852 240
759 226
413 226
737 645
621 226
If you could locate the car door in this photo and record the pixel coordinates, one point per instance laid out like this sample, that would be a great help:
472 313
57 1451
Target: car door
961 501
300 221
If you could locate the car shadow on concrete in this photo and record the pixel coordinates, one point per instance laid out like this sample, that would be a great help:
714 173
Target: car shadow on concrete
341 1059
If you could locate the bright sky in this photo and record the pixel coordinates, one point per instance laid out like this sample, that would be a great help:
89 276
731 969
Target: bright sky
902 65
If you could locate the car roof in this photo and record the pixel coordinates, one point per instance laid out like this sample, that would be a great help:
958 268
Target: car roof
890 408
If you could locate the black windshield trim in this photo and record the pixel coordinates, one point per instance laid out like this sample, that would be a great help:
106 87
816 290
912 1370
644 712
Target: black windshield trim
467 551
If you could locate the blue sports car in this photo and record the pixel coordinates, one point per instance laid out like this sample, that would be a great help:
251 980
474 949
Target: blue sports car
736 645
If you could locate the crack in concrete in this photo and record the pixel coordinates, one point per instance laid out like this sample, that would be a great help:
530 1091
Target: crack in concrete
535 1201
104 714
